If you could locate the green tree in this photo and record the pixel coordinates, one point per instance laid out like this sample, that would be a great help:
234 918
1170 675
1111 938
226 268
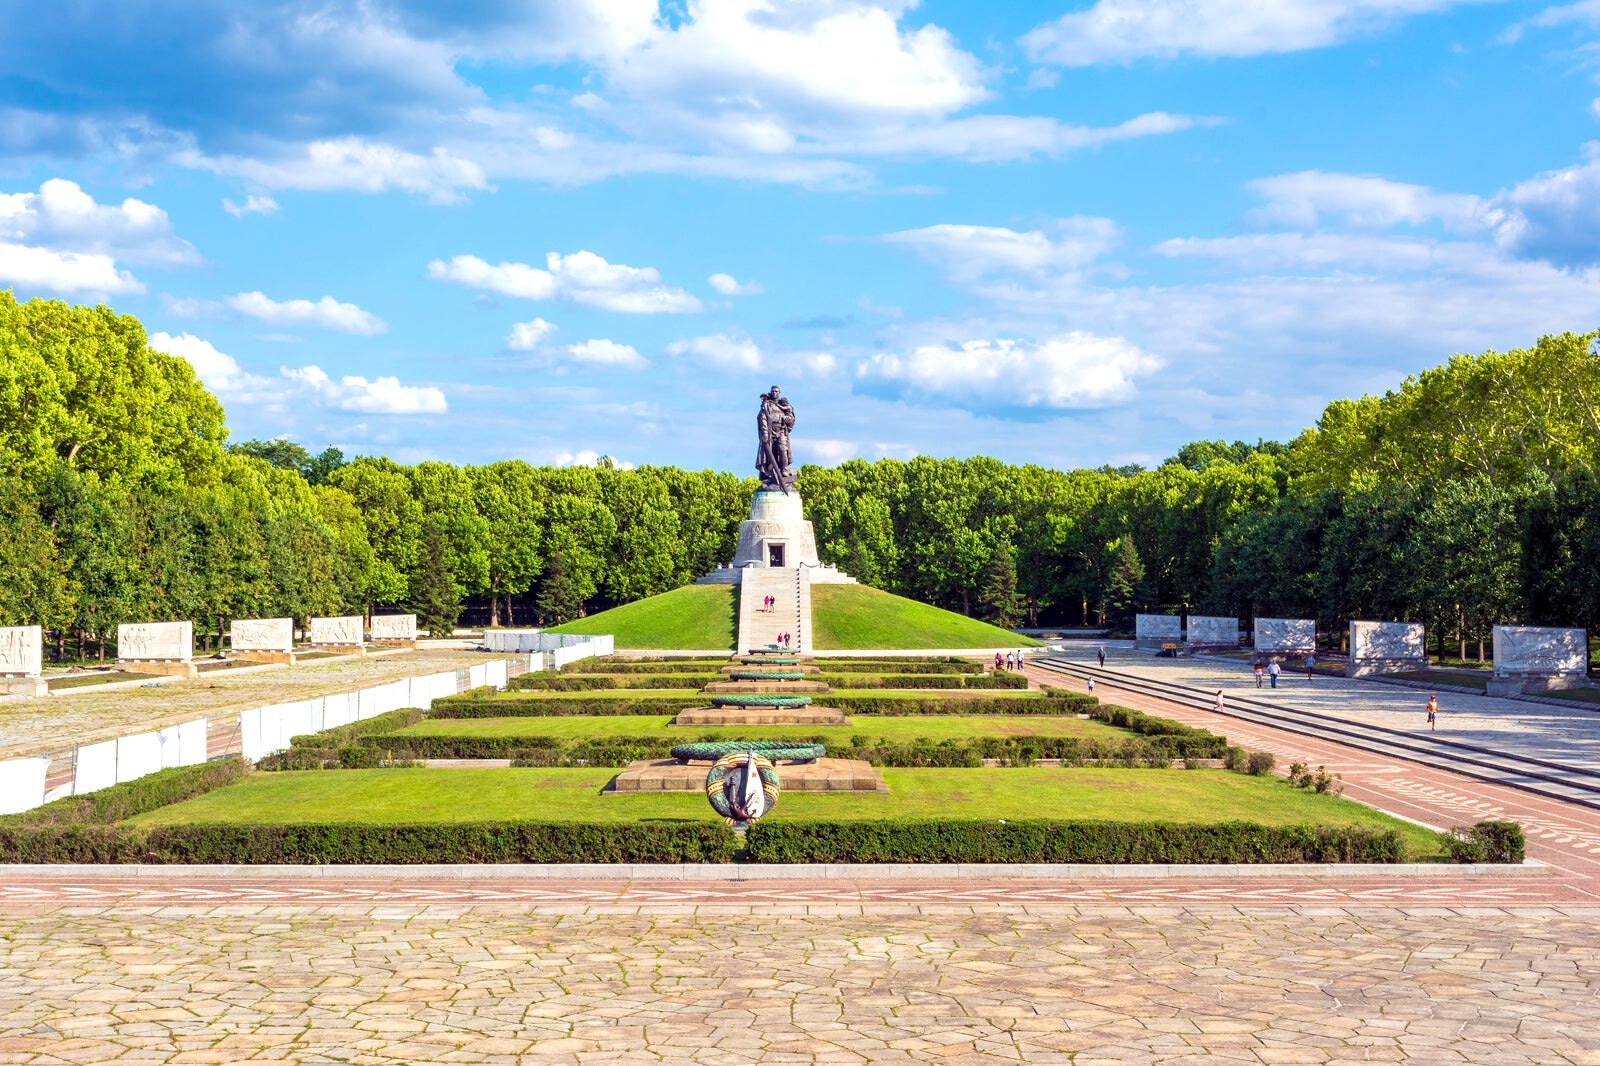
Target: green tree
433 593
1000 600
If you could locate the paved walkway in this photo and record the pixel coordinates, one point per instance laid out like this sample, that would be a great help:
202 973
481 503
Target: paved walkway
1302 969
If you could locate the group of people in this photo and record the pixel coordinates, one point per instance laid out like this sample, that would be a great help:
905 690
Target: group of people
1009 661
783 639
769 603
1269 671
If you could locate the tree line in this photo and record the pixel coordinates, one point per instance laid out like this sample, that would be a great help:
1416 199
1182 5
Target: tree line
1465 498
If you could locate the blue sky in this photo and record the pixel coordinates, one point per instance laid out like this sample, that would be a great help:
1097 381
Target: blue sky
1066 233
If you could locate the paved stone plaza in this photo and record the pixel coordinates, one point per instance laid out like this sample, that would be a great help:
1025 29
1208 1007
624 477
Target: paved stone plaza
1257 966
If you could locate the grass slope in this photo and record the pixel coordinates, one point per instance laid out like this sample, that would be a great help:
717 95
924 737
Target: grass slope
695 616
854 617
559 795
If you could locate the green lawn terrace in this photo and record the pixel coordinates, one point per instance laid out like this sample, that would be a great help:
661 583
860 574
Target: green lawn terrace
961 787
843 618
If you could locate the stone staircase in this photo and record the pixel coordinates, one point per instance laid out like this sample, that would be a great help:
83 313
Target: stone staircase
791 613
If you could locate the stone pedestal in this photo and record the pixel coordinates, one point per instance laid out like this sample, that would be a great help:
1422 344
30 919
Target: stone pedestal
159 667
410 645
818 716
823 775
338 649
256 655
756 664
776 688
776 533
23 686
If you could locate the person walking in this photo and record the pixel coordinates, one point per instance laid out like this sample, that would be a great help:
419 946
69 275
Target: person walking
1311 665
1261 674
1101 652
1091 686
1221 707
1272 672
1433 713
998 660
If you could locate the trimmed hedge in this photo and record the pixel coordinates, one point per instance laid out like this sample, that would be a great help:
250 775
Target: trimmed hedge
469 842
951 840
603 681
619 751
525 704
131 797
596 682
896 666
1491 841
340 735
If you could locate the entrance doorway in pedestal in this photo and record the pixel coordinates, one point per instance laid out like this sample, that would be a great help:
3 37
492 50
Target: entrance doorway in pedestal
774 554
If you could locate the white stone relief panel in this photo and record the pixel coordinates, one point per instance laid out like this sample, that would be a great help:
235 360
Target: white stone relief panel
262 634
1213 629
1387 640
21 650
394 627
1540 650
1158 627
1286 634
345 630
156 640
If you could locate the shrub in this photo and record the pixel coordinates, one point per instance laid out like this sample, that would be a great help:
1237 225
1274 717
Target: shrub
1318 780
341 735
952 840
471 842
519 704
1491 841
1235 758
1260 763
133 797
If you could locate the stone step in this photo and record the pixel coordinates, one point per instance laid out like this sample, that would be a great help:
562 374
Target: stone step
818 716
823 775
775 688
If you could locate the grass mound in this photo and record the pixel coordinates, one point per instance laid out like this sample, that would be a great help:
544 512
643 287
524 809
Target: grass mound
695 616
854 617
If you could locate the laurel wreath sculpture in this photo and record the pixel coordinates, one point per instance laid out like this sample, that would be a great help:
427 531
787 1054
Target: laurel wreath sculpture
723 791
769 660
758 699
767 675
717 750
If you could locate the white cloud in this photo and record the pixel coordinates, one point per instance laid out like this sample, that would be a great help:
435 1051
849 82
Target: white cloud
1003 138
583 278
966 253
1304 200
62 216
253 205
819 363
722 351
528 336
1556 215
828 452
218 371
587 457
1115 31
384 395
351 163
1071 371
222 374
326 313
68 273
727 285
606 353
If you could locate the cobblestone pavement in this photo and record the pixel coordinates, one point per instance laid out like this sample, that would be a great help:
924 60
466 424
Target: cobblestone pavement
1252 969
1569 735
1082 985
78 716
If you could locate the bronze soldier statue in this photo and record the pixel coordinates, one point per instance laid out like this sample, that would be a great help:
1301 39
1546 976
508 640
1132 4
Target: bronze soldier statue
773 423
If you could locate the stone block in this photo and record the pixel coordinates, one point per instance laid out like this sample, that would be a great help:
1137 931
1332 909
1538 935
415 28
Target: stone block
1528 652
1212 629
776 688
394 628
1386 648
261 634
24 686
345 631
1157 628
155 642
713 716
21 651
1286 634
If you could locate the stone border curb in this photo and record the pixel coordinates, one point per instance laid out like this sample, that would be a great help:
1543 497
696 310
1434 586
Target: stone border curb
779 871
